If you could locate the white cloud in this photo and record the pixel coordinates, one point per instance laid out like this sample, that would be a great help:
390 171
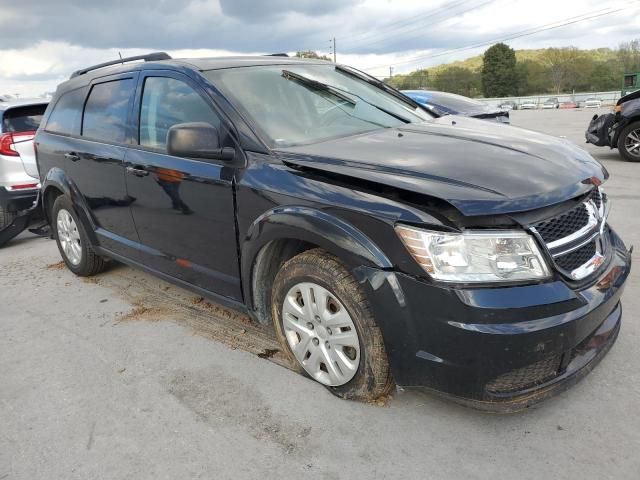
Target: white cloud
370 33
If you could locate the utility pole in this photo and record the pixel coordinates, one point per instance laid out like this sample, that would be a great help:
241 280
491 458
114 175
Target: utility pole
334 50
390 71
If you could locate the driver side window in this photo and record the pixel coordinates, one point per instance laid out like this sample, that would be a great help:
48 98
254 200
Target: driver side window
167 102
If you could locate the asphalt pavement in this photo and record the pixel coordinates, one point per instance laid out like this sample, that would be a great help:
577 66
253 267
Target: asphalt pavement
124 376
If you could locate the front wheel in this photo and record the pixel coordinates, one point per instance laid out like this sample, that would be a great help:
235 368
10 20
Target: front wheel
629 142
324 324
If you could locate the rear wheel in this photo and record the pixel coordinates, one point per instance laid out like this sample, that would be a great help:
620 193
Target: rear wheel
629 142
6 217
324 324
73 243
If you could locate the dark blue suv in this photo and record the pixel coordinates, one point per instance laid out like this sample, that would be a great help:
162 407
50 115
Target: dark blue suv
383 243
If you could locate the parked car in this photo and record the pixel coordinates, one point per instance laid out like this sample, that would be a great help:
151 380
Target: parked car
620 129
593 103
552 102
508 106
528 105
383 243
19 183
443 103
569 104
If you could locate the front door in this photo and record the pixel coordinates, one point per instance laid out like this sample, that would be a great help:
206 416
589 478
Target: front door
184 208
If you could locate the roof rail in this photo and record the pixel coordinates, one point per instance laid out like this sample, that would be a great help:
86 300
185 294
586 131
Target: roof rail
150 57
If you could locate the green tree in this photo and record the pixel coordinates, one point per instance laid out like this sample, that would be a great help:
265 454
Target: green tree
311 54
419 79
531 78
499 77
562 65
458 80
605 76
629 56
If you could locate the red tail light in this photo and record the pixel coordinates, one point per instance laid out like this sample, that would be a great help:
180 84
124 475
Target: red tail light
7 141
23 186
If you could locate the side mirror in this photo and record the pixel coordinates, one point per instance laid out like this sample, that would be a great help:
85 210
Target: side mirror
197 140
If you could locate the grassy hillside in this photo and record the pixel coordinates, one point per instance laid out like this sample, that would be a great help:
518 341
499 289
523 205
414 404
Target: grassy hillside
541 71
475 63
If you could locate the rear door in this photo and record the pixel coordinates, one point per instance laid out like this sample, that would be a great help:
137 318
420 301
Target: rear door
94 161
183 208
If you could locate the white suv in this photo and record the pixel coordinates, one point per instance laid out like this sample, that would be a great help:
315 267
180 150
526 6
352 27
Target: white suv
19 184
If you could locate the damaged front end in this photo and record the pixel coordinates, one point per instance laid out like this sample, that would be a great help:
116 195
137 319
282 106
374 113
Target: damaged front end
599 131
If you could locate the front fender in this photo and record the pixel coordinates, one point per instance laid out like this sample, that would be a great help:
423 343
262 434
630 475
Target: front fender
310 225
314 226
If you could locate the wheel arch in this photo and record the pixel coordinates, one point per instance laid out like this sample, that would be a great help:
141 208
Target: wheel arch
282 233
56 183
626 121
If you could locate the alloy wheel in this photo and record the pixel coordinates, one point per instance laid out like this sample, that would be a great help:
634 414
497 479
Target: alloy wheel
321 334
69 237
632 143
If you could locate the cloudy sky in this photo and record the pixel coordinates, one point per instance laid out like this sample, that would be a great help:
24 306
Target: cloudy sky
43 41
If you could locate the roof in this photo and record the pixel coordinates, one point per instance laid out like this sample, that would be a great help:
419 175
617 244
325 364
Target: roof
200 64
22 102
242 61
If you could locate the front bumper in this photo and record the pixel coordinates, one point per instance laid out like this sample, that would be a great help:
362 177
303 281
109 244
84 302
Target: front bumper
498 348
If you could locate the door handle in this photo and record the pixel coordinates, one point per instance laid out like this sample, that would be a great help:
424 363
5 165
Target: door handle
74 157
138 172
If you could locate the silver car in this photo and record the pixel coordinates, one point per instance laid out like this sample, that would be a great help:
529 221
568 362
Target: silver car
19 184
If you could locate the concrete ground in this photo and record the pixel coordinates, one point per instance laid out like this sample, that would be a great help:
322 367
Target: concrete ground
124 376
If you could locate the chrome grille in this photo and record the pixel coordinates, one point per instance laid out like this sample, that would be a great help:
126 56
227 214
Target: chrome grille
577 258
576 239
563 225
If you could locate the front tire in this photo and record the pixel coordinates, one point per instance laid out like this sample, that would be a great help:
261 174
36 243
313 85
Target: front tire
324 323
73 243
629 142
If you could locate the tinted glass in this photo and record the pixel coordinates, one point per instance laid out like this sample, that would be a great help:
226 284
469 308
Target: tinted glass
23 119
292 112
105 114
167 102
66 114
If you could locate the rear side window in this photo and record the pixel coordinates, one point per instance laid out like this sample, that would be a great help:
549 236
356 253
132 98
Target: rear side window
106 111
23 119
66 114
167 102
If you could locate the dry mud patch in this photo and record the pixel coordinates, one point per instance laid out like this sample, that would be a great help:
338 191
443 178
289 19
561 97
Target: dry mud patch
155 300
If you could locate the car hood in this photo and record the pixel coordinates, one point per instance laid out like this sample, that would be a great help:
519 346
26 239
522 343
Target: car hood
628 96
480 167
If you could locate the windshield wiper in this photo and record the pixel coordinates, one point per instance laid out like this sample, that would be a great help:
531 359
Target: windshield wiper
338 92
381 85
289 75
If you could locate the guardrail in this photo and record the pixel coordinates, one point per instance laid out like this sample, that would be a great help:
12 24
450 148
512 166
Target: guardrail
607 98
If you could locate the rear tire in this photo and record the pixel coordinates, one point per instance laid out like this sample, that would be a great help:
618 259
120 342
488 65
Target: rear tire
6 217
72 240
349 360
629 142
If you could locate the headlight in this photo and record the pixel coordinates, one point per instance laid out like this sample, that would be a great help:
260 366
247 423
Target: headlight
476 256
